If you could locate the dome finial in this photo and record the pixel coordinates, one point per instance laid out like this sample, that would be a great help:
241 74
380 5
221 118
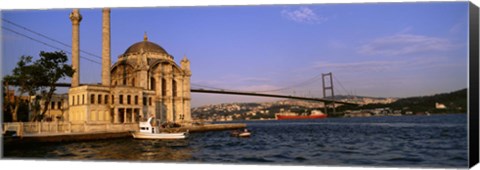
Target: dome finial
145 38
185 59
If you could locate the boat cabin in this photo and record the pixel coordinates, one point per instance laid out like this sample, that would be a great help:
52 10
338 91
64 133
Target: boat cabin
146 127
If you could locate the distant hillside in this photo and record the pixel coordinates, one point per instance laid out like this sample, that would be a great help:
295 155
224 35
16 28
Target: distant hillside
455 102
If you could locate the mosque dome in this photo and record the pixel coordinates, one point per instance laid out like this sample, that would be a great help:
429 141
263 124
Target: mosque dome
145 46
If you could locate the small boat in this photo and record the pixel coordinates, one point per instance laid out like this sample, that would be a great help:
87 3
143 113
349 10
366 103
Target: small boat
238 133
147 131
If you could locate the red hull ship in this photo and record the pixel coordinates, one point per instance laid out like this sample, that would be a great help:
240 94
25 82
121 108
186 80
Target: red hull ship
294 116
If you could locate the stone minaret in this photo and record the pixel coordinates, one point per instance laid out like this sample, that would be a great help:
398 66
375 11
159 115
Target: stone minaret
75 17
185 65
106 63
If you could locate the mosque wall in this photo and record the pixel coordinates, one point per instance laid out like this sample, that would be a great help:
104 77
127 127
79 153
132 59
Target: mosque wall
145 80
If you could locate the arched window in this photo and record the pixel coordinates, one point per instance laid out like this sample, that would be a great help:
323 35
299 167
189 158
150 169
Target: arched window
133 82
120 99
92 99
164 87
174 88
99 99
152 83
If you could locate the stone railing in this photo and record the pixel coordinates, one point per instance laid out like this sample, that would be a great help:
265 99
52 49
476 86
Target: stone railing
22 128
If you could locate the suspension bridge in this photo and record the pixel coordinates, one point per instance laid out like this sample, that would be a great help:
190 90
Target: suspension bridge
242 93
327 88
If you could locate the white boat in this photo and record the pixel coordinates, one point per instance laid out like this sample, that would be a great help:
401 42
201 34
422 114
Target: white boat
140 135
147 131
244 133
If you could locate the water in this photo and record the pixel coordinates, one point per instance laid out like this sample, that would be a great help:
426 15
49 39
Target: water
406 141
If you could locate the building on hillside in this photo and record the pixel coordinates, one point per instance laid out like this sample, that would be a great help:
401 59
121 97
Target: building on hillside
439 106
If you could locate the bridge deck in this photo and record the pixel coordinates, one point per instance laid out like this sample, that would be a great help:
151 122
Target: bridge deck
250 94
267 95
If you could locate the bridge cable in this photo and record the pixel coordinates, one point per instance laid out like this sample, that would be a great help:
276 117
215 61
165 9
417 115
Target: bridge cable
309 81
210 87
47 44
341 85
47 37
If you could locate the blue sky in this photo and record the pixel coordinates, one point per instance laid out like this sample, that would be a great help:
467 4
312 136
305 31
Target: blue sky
373 49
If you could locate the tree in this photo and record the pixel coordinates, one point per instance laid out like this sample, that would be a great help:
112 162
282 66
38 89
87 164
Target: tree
25 77
7 114
53 67
40 75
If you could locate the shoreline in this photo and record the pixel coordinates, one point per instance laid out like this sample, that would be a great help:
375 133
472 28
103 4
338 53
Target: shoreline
105 135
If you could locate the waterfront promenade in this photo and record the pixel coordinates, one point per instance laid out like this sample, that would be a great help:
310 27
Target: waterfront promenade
63 131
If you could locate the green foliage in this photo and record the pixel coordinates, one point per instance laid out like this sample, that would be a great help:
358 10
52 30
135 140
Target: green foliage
25 76
22 113
54 67
41 75
455 102
7 112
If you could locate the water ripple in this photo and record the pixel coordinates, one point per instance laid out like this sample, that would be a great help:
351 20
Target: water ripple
420 141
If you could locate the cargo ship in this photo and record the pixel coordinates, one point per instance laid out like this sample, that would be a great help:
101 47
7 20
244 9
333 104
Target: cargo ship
315 114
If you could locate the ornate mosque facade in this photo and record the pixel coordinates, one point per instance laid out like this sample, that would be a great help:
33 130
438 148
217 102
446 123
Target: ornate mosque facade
145 80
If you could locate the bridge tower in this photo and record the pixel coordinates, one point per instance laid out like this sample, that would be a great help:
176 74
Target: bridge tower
328 87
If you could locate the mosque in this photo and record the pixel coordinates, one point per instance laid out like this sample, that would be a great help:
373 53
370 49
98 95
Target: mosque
145 80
